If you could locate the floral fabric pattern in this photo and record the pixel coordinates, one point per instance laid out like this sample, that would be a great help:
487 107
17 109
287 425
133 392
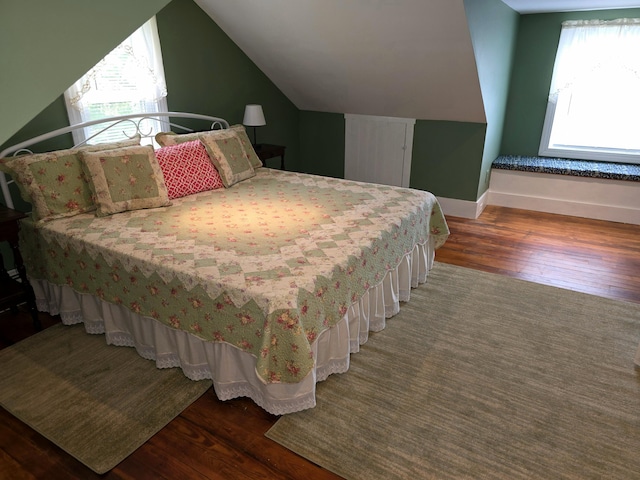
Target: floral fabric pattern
125 179
55 183
230 159
246 144
266 266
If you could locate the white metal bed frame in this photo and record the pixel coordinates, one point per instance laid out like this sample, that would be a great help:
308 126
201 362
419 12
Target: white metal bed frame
110 122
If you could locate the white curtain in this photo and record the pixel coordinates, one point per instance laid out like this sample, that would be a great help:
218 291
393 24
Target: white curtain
594 98
596 52
130 79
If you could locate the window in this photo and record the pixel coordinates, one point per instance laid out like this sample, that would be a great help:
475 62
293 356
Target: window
593 112
128 80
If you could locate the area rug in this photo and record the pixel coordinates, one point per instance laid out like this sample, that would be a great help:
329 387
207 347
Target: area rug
95 401
483 376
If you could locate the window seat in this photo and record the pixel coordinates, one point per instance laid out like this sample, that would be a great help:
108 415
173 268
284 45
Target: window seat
562 166
601 190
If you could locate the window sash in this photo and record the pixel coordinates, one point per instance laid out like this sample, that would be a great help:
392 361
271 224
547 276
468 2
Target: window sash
601 57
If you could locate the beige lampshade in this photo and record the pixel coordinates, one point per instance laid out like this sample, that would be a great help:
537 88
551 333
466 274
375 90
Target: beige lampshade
253 116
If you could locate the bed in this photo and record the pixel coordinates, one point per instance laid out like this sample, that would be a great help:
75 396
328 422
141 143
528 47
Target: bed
264 284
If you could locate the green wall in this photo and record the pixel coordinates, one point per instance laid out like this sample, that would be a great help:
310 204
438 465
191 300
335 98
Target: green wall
45 46
536 47
447 158
493 27
321 144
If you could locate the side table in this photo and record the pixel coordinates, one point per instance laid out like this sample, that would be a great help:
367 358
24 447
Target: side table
12 291
266 151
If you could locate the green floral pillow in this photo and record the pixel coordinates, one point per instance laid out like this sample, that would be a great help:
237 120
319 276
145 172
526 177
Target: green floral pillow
125 179
54 182
229 158
246 144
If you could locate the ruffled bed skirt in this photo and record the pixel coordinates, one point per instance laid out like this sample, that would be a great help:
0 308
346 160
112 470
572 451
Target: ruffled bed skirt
231 369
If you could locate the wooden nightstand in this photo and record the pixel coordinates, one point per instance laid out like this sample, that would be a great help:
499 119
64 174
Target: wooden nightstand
12 291
266 151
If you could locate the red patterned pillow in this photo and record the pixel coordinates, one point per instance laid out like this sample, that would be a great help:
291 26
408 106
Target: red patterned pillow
187 169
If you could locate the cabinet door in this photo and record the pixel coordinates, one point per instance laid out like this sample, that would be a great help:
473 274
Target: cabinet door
378 149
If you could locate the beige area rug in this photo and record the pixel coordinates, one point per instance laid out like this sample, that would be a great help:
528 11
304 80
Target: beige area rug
97 402
483 376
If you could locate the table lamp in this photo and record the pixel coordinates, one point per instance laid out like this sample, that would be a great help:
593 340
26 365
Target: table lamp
253 117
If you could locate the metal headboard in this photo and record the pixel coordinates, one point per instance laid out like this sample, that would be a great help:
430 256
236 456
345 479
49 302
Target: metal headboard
134 120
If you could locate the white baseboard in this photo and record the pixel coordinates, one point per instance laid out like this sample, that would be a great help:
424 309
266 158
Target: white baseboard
598 198
463 208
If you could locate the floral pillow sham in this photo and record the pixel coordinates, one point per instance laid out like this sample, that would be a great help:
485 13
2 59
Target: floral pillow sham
246 144
125 179
54 182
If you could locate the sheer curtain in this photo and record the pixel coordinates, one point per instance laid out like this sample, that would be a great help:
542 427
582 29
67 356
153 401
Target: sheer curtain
130 79
594 98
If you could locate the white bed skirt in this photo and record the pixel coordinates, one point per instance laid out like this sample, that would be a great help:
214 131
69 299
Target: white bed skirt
231 369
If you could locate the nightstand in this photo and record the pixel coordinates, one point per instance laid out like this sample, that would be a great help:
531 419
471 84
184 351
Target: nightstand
266 151
13 292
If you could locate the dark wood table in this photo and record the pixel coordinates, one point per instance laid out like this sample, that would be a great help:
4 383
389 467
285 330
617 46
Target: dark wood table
266 151
15 290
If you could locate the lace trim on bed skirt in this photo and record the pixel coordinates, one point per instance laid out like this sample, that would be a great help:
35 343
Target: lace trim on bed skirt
231 369
168 360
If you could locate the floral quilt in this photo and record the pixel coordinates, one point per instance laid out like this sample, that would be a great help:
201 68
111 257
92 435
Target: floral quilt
265 265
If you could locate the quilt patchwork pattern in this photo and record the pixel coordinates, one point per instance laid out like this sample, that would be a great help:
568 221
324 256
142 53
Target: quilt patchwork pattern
266 265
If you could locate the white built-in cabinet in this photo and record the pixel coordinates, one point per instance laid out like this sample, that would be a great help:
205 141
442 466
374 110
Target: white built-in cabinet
378 149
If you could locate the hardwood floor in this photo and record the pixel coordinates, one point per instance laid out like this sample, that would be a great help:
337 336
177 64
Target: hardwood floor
225 440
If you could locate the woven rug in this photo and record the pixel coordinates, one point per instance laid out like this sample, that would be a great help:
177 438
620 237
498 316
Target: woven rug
95 401
483 376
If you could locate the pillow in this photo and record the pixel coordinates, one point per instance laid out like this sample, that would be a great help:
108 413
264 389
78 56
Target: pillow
166 139
224 149
54 182
125 179
170 138
229 158
246 144
187 169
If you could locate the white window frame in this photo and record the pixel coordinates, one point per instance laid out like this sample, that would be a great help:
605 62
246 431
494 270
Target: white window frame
561 86
144 46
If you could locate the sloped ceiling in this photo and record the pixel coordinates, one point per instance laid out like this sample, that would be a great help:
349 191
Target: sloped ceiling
399 58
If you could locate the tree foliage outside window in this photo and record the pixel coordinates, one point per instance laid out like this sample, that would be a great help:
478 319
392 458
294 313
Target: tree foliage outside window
593 111
129 80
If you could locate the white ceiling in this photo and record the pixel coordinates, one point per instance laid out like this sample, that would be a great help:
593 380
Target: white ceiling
396 58
545 6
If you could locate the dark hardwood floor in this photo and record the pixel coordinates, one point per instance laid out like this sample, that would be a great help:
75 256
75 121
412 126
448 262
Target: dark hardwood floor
224 440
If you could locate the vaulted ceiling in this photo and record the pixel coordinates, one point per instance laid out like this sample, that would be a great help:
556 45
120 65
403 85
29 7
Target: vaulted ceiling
400 58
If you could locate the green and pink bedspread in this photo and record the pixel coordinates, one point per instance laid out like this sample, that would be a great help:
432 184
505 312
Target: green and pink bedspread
266 265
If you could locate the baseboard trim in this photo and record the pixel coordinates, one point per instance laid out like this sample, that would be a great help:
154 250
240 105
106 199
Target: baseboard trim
601 199
454 207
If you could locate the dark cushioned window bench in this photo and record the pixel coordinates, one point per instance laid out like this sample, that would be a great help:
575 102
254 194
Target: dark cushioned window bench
562 166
